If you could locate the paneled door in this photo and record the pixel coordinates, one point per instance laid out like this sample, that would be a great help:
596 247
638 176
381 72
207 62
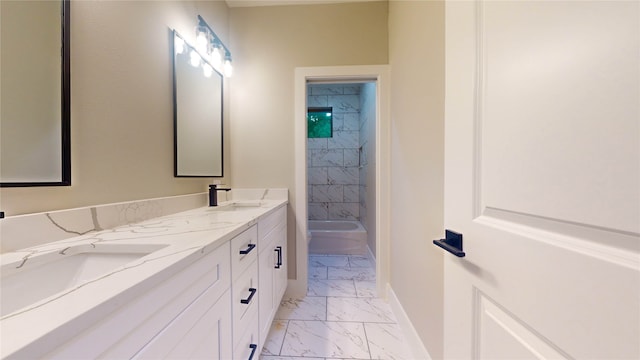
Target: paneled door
542 177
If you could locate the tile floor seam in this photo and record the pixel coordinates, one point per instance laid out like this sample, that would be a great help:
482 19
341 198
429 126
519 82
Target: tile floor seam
326 308
367 340
285 335
345 321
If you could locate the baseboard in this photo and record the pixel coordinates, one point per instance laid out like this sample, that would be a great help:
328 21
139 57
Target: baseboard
372 258
417 348
295 289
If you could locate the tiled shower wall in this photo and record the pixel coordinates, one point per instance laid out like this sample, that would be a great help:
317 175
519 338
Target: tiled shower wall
333 163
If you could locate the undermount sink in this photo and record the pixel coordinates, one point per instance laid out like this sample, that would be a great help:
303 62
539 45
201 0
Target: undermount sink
237 206
26 282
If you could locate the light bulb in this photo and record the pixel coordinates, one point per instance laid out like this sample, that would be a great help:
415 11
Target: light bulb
178 43
195 58
228 68
202 39
216 56
208 70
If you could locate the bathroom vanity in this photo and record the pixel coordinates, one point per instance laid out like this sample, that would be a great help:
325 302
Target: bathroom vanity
203 283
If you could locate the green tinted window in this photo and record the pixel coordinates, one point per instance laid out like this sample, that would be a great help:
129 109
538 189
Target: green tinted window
320 122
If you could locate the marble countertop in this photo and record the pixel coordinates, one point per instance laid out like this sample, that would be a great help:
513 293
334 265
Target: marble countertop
181 238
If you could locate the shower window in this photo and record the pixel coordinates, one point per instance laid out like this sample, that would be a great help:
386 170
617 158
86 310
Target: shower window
320 122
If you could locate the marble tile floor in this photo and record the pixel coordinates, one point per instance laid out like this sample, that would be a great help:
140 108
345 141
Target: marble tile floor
341 317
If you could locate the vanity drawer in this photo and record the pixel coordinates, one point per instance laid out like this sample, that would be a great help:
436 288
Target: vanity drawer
244 303
247 346
271 221
244 251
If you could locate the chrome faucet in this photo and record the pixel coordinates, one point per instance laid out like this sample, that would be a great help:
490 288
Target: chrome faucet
213 194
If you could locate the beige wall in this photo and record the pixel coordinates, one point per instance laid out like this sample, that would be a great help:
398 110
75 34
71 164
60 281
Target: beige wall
416 57
268 44
121 104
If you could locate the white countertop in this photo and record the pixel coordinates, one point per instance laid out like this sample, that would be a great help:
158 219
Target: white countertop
186 237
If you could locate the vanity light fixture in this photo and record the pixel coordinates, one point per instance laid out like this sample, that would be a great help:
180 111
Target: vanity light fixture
210 45
195 57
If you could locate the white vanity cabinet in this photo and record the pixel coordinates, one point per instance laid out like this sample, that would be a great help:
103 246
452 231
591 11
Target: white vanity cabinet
272 244
217 305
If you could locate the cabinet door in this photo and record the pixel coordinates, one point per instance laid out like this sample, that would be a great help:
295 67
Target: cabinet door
280 276
123 333
273 277
194 334
266 263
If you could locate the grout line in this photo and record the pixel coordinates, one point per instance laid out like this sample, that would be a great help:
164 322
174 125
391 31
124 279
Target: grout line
283 338
326 308
364 328
346 321
355 287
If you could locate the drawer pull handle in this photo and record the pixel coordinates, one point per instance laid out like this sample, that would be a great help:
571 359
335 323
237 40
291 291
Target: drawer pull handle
253 348
248 300
248 249
278 250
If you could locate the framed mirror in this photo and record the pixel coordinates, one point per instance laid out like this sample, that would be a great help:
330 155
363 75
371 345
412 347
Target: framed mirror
197 113
35 146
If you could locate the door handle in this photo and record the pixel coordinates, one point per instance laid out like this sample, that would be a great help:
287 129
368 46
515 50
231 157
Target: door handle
248 249
278 249
452 243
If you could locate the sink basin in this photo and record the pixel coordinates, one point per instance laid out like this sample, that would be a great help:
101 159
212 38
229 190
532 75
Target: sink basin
26 282
237 206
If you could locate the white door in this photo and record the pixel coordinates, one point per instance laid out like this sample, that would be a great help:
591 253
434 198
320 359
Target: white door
542 179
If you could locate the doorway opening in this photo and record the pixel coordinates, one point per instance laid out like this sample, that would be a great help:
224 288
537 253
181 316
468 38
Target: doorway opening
340 167
341 194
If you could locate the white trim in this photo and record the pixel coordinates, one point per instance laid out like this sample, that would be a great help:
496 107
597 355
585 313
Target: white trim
415 344
379 74
372 258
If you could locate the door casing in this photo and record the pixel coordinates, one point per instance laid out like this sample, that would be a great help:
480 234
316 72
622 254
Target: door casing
380 75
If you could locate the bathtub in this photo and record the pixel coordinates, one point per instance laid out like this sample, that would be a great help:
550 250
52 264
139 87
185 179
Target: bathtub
337 237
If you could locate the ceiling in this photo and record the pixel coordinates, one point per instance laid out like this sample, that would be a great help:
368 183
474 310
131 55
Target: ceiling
251 3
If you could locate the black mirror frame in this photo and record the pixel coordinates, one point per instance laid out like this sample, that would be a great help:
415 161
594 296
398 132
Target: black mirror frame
65 16
174 33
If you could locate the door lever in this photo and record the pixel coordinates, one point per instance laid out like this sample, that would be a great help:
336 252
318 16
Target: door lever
452 243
